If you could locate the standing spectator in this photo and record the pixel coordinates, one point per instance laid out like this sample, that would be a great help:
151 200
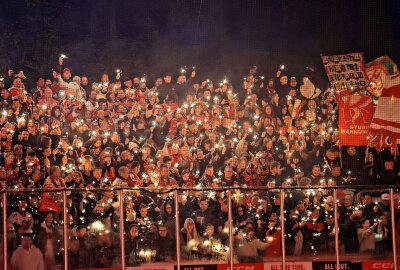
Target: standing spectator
27 256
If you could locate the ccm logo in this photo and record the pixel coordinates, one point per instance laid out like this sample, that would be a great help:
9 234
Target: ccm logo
241 268
382 266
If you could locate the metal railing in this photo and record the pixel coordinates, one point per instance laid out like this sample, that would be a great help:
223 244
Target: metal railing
176 191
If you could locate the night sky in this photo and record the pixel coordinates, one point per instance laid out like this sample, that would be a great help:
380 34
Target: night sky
220 37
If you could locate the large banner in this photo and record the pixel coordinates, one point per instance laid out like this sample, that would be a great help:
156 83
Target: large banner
346 71
386 119
345 265
378 265
378 71
355 115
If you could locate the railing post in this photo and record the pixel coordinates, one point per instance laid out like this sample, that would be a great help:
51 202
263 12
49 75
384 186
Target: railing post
392 213
5 230
230 221
335 209
177 231
282 217
65 229
122 227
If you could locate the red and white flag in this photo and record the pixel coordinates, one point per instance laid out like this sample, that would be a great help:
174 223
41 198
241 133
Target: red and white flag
386 119
355 113
297 107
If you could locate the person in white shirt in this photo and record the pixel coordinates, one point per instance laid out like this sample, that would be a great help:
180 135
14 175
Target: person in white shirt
27 256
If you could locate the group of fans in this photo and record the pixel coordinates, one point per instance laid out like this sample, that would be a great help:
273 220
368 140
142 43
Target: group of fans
120 131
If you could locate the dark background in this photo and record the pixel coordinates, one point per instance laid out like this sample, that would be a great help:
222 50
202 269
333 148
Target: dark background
219 37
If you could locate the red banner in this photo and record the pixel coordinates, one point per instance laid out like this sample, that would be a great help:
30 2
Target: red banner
242 266
378 265
355 115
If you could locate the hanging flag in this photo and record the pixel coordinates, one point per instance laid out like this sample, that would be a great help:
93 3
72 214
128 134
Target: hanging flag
355 114
378 71
346 71
386 119
47 203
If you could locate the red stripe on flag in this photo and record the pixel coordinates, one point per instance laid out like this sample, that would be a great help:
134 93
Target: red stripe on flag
383 122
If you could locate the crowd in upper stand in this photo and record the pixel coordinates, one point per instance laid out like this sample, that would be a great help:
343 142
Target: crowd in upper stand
121 131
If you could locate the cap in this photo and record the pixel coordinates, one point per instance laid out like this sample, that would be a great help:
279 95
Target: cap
66 70
385 197
293 79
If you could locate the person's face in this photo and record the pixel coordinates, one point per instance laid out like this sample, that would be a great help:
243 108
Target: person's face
330 155
389 165
164 172
162 231
48 93
300 207
168 209
383 220
271 184
57 172
209 171
84 81
199 154
97 173
128 83
351 151
228 171
210 230
316 170
367 199
190 225
49 218
136 170
134 231
167 79
5 94
124 174
40 83
366 224
336 171
136 81
158 82
203 205
274 217
67 75
35 176
93 95
64 160
284 80
18 150
181 79
143 212
121 95
17 82
347 202
27 242
10 158
371 158
104 78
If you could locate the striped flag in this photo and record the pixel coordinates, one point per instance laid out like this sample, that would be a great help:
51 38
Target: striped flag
386 119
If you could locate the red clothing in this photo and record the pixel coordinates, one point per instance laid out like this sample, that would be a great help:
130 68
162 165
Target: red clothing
14 91
274 238
134 181
169 182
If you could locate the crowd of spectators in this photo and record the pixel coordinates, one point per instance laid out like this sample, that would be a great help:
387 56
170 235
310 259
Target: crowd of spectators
121 131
